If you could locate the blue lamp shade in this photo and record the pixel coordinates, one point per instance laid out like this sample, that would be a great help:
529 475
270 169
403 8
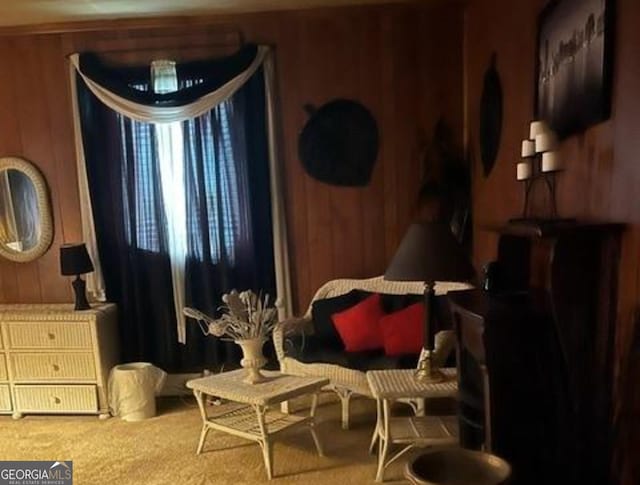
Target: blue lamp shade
75 260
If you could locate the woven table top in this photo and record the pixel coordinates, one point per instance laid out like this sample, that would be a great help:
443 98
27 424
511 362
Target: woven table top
17 312
401 383
275 389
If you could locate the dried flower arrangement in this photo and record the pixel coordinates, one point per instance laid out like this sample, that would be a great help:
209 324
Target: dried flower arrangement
245 316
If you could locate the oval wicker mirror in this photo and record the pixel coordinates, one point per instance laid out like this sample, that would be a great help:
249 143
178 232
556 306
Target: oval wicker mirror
26 226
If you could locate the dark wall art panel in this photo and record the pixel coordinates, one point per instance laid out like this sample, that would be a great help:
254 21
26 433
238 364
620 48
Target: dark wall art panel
574 64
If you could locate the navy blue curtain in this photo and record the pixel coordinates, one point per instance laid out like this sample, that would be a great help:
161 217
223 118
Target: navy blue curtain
228 206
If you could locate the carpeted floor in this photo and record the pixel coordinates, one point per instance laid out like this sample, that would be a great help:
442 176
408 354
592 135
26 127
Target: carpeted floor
162 450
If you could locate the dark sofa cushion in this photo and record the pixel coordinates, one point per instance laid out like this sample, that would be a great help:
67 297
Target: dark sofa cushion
393 303
321 312
363 361
309 349
377 360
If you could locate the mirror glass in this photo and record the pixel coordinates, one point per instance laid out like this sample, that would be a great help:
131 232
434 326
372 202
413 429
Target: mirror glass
26 226
20 219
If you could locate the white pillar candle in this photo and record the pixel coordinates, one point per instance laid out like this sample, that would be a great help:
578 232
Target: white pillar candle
545 142
523 171
551 162
537 128
528 148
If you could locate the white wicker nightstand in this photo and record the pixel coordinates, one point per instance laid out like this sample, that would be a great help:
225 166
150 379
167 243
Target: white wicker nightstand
251 416
391 385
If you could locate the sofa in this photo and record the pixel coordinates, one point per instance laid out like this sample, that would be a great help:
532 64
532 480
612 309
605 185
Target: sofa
300 351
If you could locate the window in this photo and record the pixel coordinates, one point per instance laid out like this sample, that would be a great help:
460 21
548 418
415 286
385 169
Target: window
167 149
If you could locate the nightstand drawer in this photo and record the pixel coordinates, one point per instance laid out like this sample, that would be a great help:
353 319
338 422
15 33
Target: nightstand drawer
3 368
49 366
48 335
56 399
5 398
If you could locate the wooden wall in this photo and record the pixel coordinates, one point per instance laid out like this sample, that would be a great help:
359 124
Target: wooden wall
602 179
403 62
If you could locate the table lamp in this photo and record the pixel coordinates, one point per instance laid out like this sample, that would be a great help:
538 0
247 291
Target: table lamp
429 252
75 260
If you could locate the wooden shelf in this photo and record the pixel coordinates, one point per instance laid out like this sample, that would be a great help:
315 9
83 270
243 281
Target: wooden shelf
541 228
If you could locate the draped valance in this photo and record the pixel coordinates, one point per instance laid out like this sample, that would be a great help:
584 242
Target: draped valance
220 80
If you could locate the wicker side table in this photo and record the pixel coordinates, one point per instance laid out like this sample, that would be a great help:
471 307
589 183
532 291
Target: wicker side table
252 415
388 386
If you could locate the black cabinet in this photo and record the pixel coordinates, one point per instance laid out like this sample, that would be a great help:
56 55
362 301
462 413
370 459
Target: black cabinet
535 355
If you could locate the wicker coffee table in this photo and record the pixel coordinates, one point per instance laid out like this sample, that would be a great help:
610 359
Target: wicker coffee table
391 385
251 413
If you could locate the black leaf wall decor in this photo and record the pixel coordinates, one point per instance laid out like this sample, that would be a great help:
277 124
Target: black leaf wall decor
339 143
491 110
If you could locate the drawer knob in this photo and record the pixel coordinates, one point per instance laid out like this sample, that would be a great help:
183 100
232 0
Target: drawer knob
52 336
56 367
56 400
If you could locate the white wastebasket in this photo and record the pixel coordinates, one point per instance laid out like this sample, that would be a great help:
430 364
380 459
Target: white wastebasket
133 388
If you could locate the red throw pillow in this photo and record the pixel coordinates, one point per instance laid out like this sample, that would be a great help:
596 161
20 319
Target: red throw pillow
402 331
358 326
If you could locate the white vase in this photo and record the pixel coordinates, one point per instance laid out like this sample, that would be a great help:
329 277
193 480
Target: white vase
253 360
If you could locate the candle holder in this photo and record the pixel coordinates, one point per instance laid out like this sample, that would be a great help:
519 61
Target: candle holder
537 176
540 165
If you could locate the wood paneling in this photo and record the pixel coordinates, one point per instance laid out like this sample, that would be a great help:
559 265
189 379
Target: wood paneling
403 62
602 179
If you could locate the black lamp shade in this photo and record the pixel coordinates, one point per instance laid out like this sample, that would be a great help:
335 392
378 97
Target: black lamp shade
75 260
429 252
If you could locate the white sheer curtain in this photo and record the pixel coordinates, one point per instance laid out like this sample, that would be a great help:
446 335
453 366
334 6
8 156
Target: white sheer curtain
168 121
170 151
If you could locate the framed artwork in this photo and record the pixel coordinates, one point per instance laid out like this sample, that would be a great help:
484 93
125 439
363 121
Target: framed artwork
574 64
